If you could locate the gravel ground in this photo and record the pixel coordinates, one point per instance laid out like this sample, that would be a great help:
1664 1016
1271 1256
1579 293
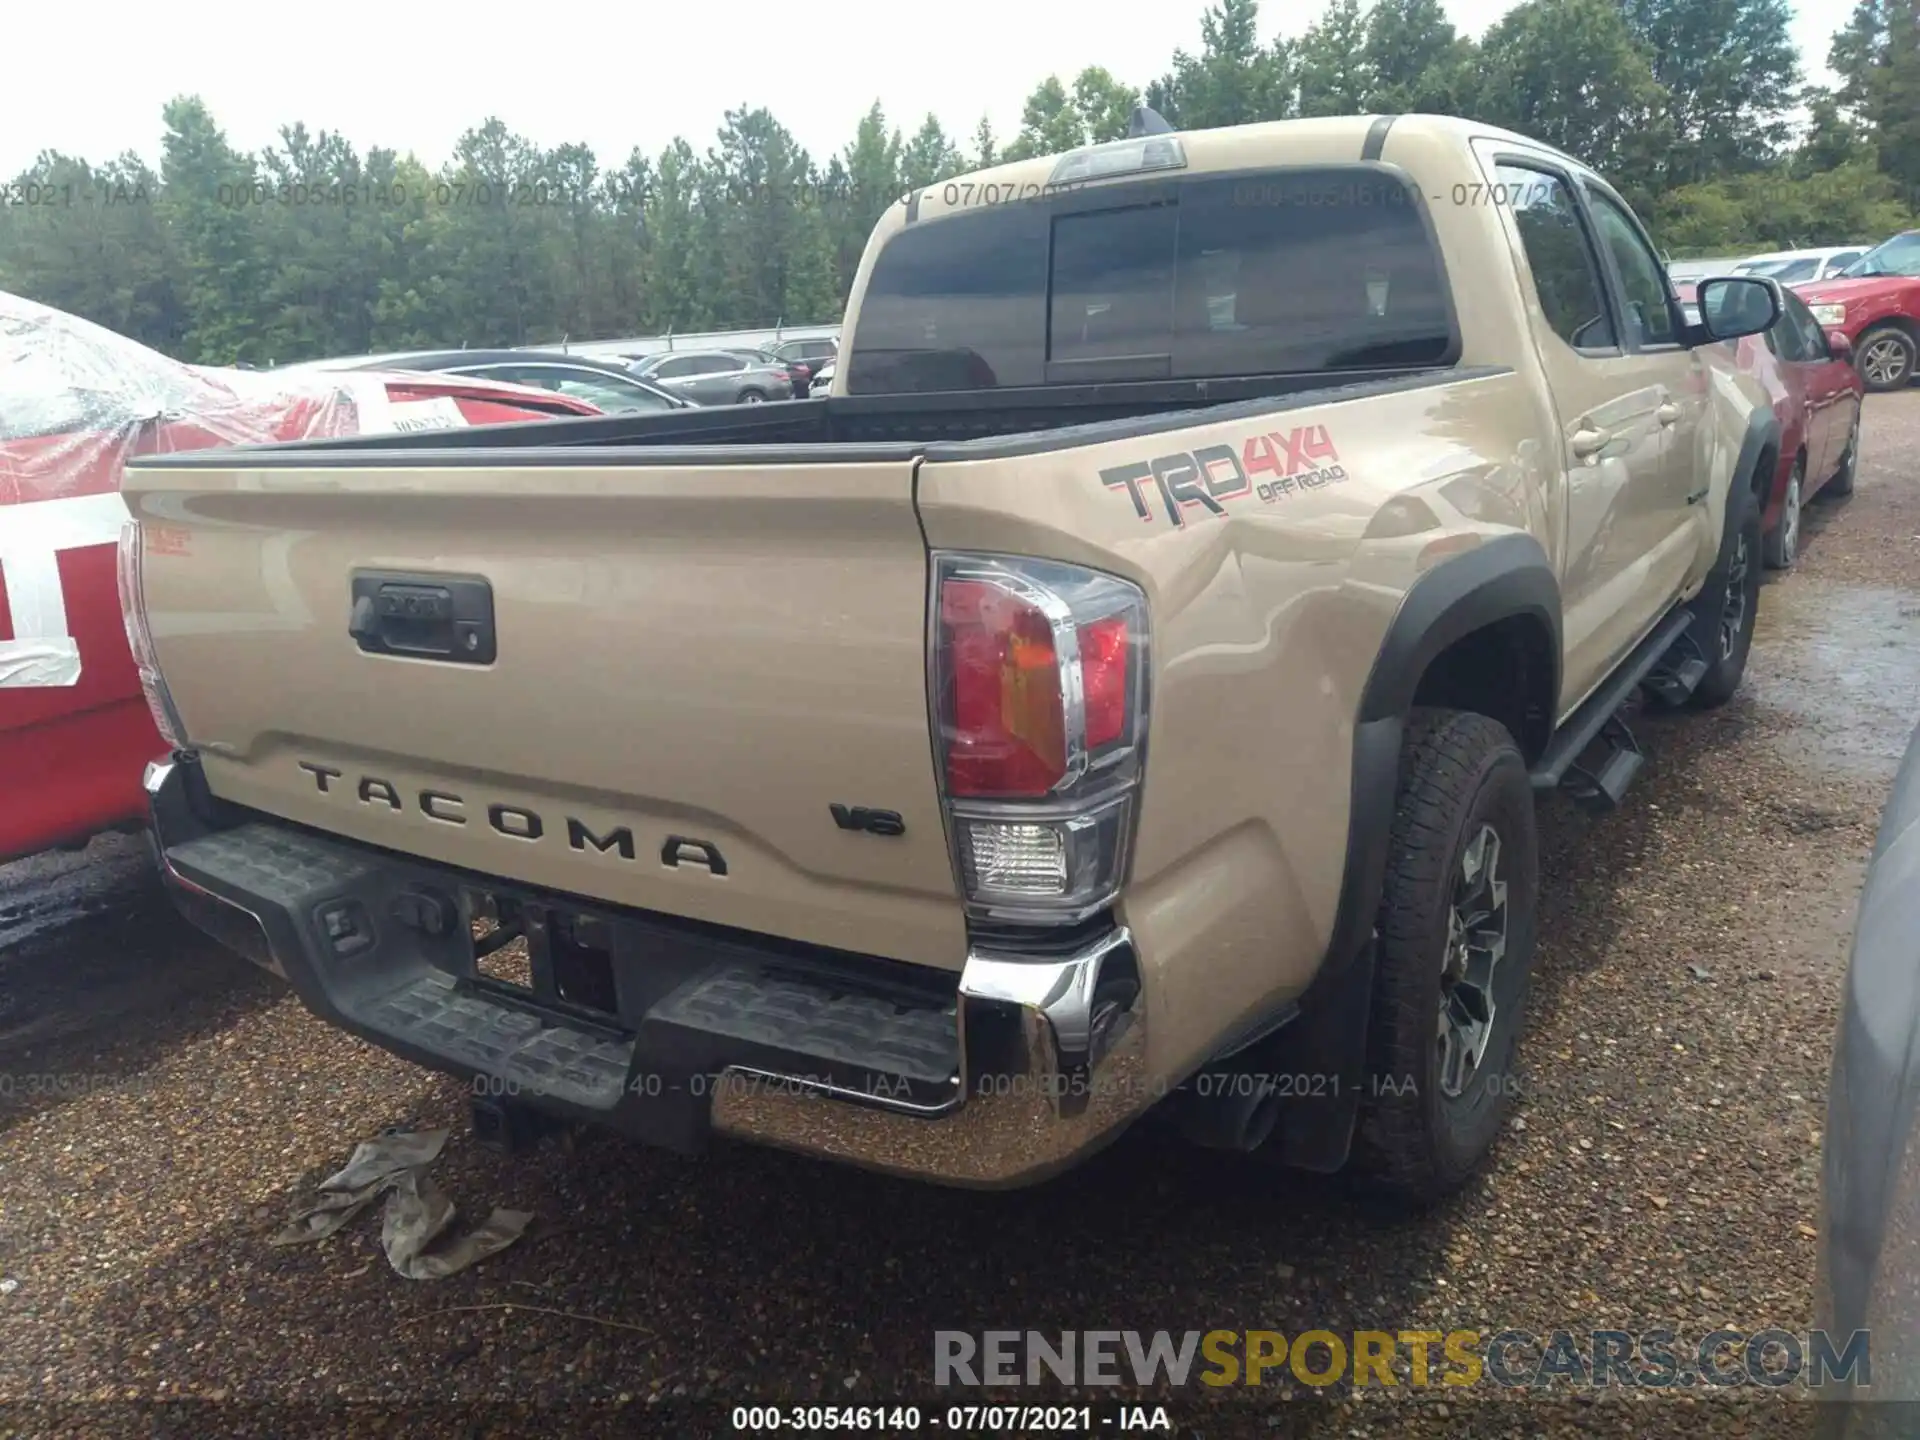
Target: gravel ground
1662 1168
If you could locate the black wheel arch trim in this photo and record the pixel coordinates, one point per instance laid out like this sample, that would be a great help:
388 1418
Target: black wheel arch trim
1763 429
1507 576
1499 579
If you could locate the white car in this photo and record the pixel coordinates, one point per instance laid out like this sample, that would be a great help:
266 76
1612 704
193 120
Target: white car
1793 266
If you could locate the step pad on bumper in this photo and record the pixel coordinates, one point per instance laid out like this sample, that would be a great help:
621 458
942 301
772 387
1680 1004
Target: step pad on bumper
809 1018
283 866
402 990
524 1050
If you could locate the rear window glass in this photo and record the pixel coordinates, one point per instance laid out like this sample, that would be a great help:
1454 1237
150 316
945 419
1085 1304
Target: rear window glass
1289 271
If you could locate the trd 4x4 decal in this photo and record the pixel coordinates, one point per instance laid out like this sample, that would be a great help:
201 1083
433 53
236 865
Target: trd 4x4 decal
1299 459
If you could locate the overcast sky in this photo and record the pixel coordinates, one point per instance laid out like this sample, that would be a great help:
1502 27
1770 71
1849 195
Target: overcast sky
414 75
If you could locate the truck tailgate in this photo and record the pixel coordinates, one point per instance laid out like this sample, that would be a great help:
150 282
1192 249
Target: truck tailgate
693 667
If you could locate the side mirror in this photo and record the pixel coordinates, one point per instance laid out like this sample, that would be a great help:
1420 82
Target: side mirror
1735 305
1839 345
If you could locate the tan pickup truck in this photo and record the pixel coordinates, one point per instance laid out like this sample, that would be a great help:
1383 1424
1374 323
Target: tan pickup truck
1128 690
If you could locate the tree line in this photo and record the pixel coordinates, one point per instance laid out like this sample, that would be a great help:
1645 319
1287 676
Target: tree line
311 248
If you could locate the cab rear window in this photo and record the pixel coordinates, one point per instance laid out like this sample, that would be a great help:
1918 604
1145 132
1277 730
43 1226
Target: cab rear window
1287 271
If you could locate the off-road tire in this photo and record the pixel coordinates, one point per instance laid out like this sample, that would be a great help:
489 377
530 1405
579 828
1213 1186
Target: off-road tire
1841 485
1782 545
1738 560
1899 374
1458 772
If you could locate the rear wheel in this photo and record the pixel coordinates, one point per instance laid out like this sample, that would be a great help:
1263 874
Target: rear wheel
1725 609
1783 543
1887 358
752 397
1455 956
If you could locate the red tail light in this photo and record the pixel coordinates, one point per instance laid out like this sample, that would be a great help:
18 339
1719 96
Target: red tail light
1009 716
1040 674
1104 658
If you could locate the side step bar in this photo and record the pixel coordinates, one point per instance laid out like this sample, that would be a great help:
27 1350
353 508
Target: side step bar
1668 663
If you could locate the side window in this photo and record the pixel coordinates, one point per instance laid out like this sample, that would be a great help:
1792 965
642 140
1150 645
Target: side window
1797 270
674 369
606 392
1813 340
717 365
1784 339
513 375
546 377
1835 264
1558 254
1642 282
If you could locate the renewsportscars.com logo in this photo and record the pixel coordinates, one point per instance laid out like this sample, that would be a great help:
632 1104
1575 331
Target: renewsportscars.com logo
1656 1358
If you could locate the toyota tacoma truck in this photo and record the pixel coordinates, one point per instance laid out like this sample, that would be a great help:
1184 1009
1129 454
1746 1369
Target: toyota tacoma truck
1128 690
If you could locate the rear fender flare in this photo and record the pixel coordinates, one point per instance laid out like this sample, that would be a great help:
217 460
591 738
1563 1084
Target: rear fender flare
1504 577
1507 576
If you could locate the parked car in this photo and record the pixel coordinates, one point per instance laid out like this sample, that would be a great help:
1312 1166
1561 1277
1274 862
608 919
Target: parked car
1792 266
76 402
1816 394
808 357
1876 305
858 848
719 377
799 373
610 389
1867 1276
823 381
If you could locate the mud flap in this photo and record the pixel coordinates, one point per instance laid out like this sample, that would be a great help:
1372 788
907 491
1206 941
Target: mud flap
1326 1047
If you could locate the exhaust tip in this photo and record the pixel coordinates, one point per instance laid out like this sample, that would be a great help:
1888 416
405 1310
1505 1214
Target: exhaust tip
1231 1110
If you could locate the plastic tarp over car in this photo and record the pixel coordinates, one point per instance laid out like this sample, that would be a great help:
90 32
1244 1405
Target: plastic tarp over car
77 401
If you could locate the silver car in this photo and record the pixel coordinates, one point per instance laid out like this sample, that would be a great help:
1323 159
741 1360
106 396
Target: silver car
1869 1261
718 377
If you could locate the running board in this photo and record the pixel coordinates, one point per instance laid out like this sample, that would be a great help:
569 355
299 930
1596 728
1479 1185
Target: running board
1599 785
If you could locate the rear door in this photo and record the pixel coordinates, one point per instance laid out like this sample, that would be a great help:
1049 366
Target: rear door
1610 396
680 374
717 378
1676 529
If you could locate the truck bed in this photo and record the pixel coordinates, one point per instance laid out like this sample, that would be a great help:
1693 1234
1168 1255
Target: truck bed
855 427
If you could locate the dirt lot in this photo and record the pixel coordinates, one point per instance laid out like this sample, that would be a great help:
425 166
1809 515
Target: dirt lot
1663 1168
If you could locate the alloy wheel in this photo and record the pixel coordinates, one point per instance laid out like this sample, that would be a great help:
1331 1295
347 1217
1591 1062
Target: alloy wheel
1885 362
1476 944
1733 610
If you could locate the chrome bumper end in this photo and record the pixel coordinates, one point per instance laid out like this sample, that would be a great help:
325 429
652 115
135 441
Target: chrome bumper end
1052 1066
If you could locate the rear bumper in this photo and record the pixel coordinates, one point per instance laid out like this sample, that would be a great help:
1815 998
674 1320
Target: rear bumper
1011 1074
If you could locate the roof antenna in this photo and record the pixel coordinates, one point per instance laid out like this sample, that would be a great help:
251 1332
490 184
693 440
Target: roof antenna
1145 120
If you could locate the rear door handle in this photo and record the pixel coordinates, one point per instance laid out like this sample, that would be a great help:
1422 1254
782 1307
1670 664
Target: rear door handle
1668 413
1588 442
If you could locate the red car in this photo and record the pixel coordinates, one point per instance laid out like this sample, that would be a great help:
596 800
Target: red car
75 402
1876 305
1816 391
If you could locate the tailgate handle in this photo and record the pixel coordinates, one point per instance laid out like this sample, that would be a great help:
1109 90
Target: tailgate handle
428 617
